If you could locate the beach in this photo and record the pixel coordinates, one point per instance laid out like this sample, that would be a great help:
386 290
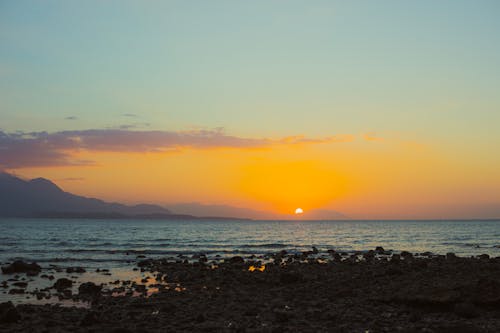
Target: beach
312 291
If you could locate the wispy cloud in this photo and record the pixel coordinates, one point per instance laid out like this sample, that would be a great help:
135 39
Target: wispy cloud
130 115
372 136
28 149
71 118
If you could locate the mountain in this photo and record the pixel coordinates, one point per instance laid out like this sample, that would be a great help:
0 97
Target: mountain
200 209
41 198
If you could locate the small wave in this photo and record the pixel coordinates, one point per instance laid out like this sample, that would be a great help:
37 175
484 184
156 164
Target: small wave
270 245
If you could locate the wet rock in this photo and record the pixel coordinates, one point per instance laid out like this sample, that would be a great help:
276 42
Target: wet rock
89 289
379 250
8 313
62 284
20 284
466 310
406 255
483 256
315 250
16 291
90 318
4 284
451 256
20 266
290 277
236 260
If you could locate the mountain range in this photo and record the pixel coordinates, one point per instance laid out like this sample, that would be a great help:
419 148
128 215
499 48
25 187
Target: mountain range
40 197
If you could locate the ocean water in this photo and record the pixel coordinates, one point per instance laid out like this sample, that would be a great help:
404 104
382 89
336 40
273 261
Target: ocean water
117 243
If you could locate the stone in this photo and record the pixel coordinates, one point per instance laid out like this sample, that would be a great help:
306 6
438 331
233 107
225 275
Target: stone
8 313
62 284
16 291
451 256
20 266
89 289
379 250
236 260
466 310
20 284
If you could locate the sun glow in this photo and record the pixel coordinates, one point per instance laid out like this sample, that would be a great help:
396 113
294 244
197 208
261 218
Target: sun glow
299 211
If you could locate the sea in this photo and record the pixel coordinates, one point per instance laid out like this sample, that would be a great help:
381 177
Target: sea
116 243
109 250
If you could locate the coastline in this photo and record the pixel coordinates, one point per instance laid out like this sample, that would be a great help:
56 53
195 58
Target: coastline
375 291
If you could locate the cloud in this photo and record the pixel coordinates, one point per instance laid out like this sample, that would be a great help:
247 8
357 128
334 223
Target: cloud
372 137
71 118
29 149
130 115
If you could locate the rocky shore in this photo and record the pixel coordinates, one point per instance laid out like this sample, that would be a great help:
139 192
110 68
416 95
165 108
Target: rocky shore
313 291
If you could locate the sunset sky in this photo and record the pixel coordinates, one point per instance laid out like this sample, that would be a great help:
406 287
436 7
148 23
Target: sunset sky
375 109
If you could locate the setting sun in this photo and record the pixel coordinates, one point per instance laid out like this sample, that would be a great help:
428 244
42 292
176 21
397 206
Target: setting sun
299 211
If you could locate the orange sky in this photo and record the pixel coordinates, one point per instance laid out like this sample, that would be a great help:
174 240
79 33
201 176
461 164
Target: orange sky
359 177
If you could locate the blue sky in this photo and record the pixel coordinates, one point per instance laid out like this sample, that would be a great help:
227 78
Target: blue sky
411 73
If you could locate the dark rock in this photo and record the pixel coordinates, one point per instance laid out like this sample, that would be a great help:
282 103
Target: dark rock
290 277
451 256
236 260
8 313
20 266
20 284
282 316
16 291
483 256
379 250
62 284
89 319
406 255
315 250
89 289
466 310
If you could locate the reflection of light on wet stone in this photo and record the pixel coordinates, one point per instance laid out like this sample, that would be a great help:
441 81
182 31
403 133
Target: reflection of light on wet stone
254 268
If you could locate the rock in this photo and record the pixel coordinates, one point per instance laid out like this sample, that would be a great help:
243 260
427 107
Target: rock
315 250
406 255
466 310
236 260
89 319
16 291
379 250
8 313
89 289
4 284
289 277
484 256
451 256
282 316
20 266
395 258
20 284
62 284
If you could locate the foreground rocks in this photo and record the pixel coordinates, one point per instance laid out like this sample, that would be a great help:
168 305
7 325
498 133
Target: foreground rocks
293 293
22 267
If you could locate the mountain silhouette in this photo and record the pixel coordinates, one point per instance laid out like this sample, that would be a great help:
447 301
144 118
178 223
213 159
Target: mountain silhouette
41 198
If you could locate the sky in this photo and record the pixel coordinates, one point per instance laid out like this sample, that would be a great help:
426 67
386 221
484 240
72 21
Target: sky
374 109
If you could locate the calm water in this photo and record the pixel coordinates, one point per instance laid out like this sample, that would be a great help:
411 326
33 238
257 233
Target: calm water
111 243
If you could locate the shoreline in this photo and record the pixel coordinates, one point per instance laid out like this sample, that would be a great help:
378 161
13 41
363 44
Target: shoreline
375 291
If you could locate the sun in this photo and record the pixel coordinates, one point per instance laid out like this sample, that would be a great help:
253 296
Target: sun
298 211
